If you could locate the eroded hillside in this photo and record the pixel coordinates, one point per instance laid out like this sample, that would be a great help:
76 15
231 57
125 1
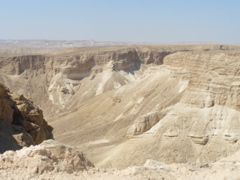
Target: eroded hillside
124 105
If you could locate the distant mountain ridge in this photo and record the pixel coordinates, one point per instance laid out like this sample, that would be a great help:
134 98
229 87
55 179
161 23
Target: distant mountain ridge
59 44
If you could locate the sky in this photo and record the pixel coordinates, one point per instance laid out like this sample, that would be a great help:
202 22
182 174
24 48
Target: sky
159 21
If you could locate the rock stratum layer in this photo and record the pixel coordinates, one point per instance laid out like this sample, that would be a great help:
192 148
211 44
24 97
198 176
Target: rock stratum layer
124 105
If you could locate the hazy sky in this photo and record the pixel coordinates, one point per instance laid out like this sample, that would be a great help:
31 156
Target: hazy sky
162 21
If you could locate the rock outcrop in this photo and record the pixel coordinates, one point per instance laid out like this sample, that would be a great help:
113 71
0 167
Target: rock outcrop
22 123
32 120
144 123
50 156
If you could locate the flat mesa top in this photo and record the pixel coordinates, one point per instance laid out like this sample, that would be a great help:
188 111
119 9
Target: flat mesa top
8 50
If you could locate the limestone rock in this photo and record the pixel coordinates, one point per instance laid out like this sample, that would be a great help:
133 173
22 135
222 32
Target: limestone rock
43 162
22 123
144 123
33 121
13 137
46 157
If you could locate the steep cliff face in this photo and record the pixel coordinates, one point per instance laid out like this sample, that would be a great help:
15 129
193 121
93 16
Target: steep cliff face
22 123
52 80
214 77
129 104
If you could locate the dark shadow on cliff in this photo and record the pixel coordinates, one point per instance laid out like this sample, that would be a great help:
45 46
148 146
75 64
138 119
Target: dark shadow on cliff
8 137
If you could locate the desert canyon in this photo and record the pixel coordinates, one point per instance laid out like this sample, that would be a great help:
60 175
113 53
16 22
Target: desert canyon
120 112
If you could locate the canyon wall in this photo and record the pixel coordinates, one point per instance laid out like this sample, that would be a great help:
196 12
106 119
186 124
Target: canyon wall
124 105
